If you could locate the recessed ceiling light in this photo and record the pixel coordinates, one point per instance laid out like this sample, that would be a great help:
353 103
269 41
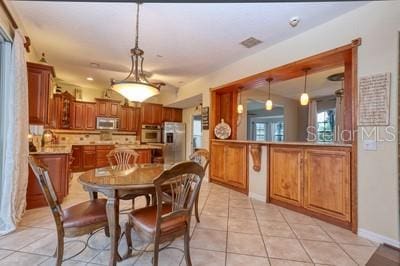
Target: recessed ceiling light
250 42
159 56
294 21
89 79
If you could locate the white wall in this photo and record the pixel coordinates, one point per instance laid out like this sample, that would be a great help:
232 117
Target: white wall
377 23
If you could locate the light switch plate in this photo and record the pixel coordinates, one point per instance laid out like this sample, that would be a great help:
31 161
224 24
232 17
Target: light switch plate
370 145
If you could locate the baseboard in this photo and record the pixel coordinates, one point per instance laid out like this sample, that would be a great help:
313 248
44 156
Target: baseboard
257 196
378 238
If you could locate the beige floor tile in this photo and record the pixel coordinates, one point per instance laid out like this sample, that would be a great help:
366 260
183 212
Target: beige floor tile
208 239
241 213
43 246
310 232
238 195
263 205
243 226
215 211
167 257
22 237
72 248
22 259
297 218
344 236
361 254
240 203
240 260
216 203
285 248
246 244
327 253
202 257
213 222
269 214
273 228
278 262
52 262
5 253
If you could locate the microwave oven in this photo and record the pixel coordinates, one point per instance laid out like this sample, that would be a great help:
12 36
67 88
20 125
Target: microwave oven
107 123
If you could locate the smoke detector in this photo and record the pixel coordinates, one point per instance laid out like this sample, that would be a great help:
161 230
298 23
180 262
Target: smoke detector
294 21
250 42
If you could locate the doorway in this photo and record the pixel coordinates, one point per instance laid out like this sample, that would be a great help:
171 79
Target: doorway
197 133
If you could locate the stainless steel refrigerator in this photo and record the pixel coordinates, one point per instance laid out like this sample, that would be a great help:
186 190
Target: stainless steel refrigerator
173 136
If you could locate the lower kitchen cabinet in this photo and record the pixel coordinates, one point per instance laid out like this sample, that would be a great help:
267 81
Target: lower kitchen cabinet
313 180
144 156
58 167
101 155
229 165
89 157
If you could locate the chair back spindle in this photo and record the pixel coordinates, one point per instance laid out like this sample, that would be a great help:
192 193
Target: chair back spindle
122 157
202 157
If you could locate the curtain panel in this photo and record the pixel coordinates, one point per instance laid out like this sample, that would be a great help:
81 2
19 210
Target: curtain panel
15 129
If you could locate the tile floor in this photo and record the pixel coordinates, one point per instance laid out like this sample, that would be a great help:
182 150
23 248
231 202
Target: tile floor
234 230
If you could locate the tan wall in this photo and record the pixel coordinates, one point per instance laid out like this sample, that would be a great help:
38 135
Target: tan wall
378 24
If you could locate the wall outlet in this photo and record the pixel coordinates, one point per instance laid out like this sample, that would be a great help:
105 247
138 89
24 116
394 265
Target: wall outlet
370 145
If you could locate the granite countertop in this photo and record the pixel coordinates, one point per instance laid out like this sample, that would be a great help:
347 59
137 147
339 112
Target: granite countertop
296 143
56 149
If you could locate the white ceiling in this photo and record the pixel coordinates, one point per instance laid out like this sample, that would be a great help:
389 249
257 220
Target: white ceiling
193 39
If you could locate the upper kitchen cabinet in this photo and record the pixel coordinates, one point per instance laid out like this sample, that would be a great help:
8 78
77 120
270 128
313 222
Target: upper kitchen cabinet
171 114
129 118
107 107
151 113
83 115
60 107
39 88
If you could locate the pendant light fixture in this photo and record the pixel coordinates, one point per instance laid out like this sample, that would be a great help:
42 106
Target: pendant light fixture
268 103
240 105
136 87
304 96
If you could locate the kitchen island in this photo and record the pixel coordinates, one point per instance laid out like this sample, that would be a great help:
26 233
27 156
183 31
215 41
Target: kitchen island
312 178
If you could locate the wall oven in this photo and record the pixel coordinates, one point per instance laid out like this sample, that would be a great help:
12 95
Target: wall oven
150 134
107 123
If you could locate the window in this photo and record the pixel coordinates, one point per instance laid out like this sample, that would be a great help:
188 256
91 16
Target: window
278 131
261 131
325 125
196 132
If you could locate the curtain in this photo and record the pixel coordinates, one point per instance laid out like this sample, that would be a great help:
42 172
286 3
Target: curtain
339 119
312 121
15 129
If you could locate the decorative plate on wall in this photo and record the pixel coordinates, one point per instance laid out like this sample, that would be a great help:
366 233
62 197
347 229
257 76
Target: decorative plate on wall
222 130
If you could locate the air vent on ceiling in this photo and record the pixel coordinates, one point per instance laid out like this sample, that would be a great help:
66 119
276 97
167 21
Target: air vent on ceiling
250 42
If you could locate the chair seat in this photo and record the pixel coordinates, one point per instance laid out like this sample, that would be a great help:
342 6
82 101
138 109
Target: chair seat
85 213
146 219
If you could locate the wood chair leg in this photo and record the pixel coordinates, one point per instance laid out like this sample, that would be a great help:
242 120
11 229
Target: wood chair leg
128 235
196 209
133 203
156 251
59 254
107 231
187 247
148 200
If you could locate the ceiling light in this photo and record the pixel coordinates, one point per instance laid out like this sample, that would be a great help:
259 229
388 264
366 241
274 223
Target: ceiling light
304 96
268 103
89 79
94 65
240 105
136 87
294 21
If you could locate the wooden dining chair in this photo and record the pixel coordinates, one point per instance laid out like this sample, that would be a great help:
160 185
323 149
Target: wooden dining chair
202 157
80 219
124 158
176 190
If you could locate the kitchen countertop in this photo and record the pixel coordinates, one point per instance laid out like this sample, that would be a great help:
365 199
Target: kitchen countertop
296 143
59 149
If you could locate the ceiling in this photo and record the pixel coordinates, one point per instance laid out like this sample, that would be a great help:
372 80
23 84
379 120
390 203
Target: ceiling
181 41
317 85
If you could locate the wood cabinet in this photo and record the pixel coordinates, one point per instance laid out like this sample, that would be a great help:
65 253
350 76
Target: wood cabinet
77 160
39 89
229 165
151 113
60 110
314 180
327 183
83 115
89 157
58 166
144 156
171 114
101 155
107 107
129 119
286 182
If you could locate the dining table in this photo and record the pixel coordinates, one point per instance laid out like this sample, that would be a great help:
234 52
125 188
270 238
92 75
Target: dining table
116 183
